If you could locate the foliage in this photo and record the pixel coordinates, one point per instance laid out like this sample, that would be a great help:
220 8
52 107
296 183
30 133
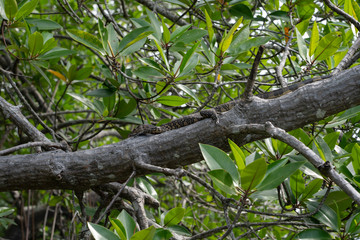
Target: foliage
88 68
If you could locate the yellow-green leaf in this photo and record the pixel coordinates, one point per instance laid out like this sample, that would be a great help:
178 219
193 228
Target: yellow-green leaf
166 33
314 40
228 38
209 26
26 9
328 45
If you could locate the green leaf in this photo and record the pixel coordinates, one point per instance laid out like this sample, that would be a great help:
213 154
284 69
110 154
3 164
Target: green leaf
119 228
241 10
314 40
34 64
155 24
352 225
252 174
301 44
162 54
217 159
166 33
26 9
87 39
180 230
43 24
250 43
112 40
105 92
338 200
275 178
179 32
128 223
328 46
331 139
2 10
146 186
297 183
191 36
92 105
282 15
35 43
238 155
223 180
4 211
162 234
174 216
101 233
312 188
313 234
11 8
325 215
104 37
188 91
355 155
188 55
209 26
172 101
133 37
305 9
149 73
56 52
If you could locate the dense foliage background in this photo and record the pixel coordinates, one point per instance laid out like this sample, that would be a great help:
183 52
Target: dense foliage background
78 75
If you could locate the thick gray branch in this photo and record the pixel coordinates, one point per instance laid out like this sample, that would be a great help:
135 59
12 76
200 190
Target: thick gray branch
84 169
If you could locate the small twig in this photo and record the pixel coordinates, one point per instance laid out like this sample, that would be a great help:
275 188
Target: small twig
342 13
250 84
115 197
33 144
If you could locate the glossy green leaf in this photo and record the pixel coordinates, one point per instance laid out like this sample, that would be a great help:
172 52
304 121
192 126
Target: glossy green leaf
155 24
179 32
252 174
174 216
162 234
275 178
43 24
238 155
35 43
303 26
87 39
87 102
327 46
146 234
112 40
26 9
5 211
48 45
146 186
325 215
188 55
218 159
149 73
133 37
2 10
102 92
119 228
355 155
352 225
11 8
188 91
192 63
250 43
104 37
128 223
338 200
312 188
282 15
56 52
162 54
180 230
331 139
314 40
241 10
166 33
297 183
301 44
191 36
209 26
313 234
101 233
172 101
222 180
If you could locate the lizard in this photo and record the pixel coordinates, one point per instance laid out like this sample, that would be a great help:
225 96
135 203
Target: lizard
213 113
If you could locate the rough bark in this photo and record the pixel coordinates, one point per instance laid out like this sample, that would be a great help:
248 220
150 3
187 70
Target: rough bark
115 162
